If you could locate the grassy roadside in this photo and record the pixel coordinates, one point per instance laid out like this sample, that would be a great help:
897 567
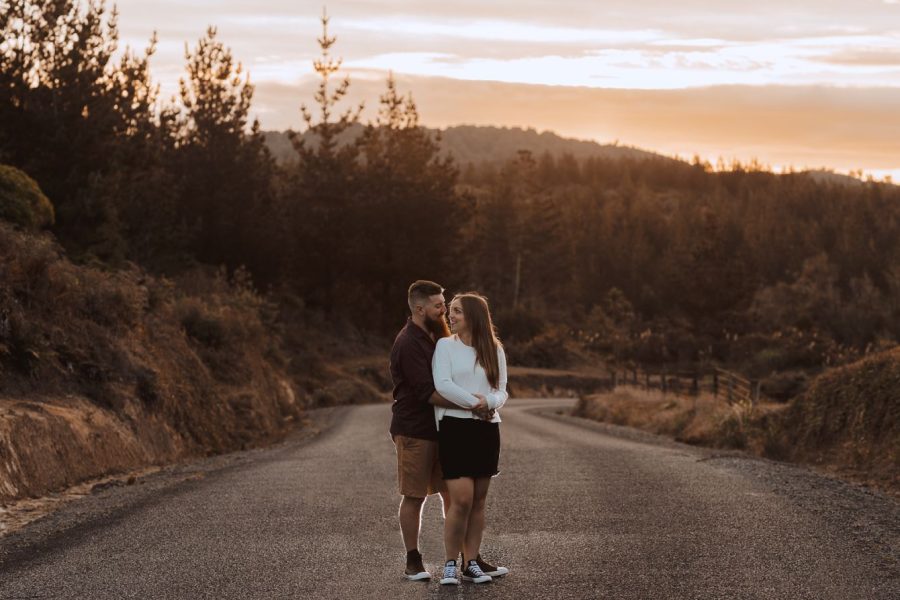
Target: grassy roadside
847 423
702 420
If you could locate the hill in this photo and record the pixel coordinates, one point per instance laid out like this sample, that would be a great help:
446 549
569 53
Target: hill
477 144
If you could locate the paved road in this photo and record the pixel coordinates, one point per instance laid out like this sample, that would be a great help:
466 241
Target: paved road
580 510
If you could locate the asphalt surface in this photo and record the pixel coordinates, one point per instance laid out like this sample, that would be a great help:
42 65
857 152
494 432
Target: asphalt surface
580 510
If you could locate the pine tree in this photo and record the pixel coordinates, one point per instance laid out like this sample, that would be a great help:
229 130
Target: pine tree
59 117
225 170
321 188
408 209
89 129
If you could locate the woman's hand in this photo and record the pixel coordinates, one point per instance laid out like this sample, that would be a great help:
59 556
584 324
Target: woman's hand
481 409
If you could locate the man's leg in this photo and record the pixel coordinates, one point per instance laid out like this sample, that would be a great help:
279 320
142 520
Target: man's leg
410 520
413 471
445 498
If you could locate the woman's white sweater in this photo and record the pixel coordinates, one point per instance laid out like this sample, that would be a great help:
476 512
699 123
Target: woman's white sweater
457 376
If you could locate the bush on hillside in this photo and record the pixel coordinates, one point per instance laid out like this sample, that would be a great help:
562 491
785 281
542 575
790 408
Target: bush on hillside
850 416
114 335
21 200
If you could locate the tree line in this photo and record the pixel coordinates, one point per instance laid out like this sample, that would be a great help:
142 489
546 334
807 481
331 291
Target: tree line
642 259
664 261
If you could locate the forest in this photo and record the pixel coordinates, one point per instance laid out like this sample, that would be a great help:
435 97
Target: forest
630 259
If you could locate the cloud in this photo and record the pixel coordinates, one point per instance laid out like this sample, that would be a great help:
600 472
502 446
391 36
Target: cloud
733 78
864 57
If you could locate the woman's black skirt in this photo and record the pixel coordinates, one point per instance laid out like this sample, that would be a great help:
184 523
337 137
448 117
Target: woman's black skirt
468 448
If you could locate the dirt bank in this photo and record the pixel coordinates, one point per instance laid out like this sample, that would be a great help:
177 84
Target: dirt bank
105 372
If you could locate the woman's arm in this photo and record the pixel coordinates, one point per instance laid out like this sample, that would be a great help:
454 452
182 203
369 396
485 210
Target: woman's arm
443 380
498 397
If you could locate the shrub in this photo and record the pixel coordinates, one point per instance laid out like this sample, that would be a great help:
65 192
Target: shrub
21 200
199 325
147 386
518 324
111 299
732 429
546 351
784 386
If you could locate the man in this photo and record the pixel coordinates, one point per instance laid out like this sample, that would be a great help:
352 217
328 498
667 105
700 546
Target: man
413 426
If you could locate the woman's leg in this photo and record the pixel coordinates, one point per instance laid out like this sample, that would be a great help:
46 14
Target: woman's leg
475 526
460 491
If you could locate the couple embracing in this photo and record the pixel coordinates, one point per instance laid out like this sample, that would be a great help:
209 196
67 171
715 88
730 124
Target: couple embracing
448 385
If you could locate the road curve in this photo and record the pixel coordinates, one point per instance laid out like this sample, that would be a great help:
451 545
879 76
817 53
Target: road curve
580 510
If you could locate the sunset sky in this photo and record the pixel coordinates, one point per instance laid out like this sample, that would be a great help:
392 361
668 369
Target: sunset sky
808 83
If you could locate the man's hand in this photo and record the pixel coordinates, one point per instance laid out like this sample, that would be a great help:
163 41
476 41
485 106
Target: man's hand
485 414
480 410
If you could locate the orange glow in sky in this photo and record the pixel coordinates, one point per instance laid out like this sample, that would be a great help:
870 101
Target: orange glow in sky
809 83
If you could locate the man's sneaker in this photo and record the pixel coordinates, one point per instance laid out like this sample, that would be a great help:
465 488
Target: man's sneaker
415 570
474 573
490 569
451 577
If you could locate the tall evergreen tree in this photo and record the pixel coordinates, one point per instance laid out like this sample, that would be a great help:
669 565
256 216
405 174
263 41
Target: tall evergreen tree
89 129
322 185
226 171
410 212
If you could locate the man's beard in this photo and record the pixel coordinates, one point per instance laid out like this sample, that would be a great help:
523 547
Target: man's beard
438 327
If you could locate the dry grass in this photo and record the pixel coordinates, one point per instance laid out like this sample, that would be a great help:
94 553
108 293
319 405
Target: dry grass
703 419
847 423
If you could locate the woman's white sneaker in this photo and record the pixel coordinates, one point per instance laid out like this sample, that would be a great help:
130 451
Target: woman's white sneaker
451 576
474 573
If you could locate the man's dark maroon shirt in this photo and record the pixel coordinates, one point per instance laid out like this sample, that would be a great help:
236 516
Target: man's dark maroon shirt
413 383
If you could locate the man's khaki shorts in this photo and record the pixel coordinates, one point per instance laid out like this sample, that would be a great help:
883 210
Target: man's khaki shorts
418 468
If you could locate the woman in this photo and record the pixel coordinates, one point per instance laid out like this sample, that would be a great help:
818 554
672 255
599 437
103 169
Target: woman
469 370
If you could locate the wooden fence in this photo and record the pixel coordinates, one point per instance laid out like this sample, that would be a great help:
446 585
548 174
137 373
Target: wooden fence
730 386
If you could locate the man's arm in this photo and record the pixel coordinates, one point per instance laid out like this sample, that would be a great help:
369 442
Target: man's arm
438 400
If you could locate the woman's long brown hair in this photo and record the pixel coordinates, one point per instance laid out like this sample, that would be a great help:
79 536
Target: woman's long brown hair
484 337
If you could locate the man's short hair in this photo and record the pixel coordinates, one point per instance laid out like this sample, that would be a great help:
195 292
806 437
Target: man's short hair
420 291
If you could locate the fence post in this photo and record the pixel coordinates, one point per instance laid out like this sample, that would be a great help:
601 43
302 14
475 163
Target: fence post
716 384
695 385
647 379
730 390
756 391
615 379
663 383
